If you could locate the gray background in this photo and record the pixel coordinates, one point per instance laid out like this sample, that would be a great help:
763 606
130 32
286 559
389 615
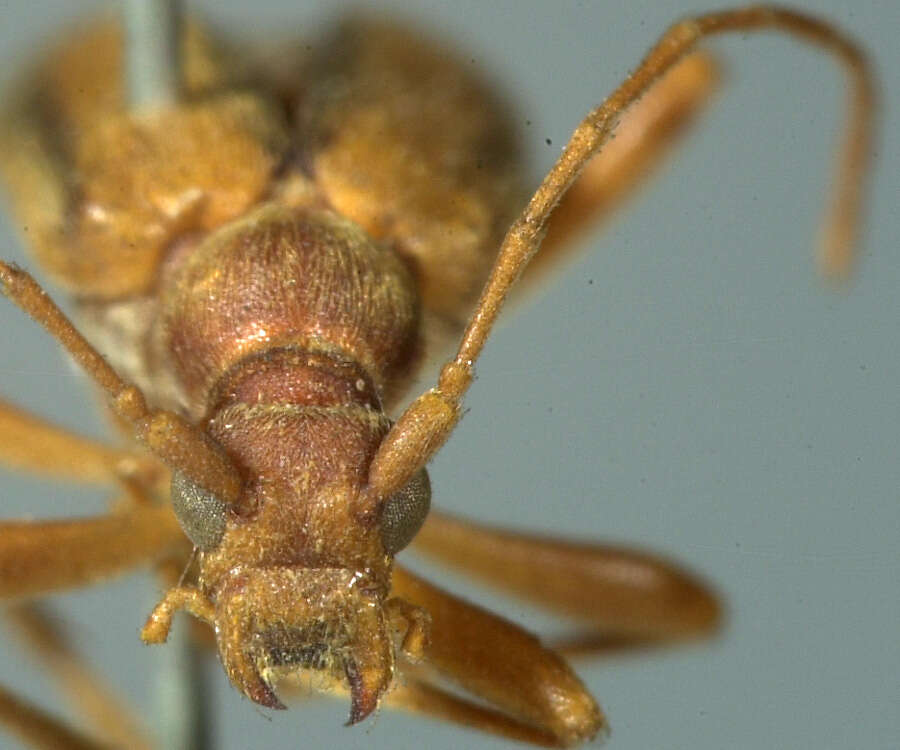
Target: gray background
689 385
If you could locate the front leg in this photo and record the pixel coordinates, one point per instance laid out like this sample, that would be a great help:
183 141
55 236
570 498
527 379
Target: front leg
94 700
623 594
38 728
38 557
29 443
503 664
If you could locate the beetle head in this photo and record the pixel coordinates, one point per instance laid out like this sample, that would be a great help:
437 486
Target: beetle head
270 621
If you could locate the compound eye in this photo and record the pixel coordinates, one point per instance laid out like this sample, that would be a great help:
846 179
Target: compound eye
200 513
404 513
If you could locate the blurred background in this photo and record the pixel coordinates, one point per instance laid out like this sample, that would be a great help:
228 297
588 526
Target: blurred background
689 385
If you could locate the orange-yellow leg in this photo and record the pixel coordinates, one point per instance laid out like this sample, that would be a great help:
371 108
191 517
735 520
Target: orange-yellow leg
421 697
28 443
37 557
627 598
526 692
625 595
102 710
414 690
38 729
535 692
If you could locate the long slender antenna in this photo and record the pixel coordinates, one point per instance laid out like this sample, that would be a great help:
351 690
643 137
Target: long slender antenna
152 59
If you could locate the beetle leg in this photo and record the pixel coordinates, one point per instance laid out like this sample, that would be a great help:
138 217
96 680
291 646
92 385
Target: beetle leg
29 443
39 729
413 690
630 597
502 664
426 424
41 556
94 699
419 696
